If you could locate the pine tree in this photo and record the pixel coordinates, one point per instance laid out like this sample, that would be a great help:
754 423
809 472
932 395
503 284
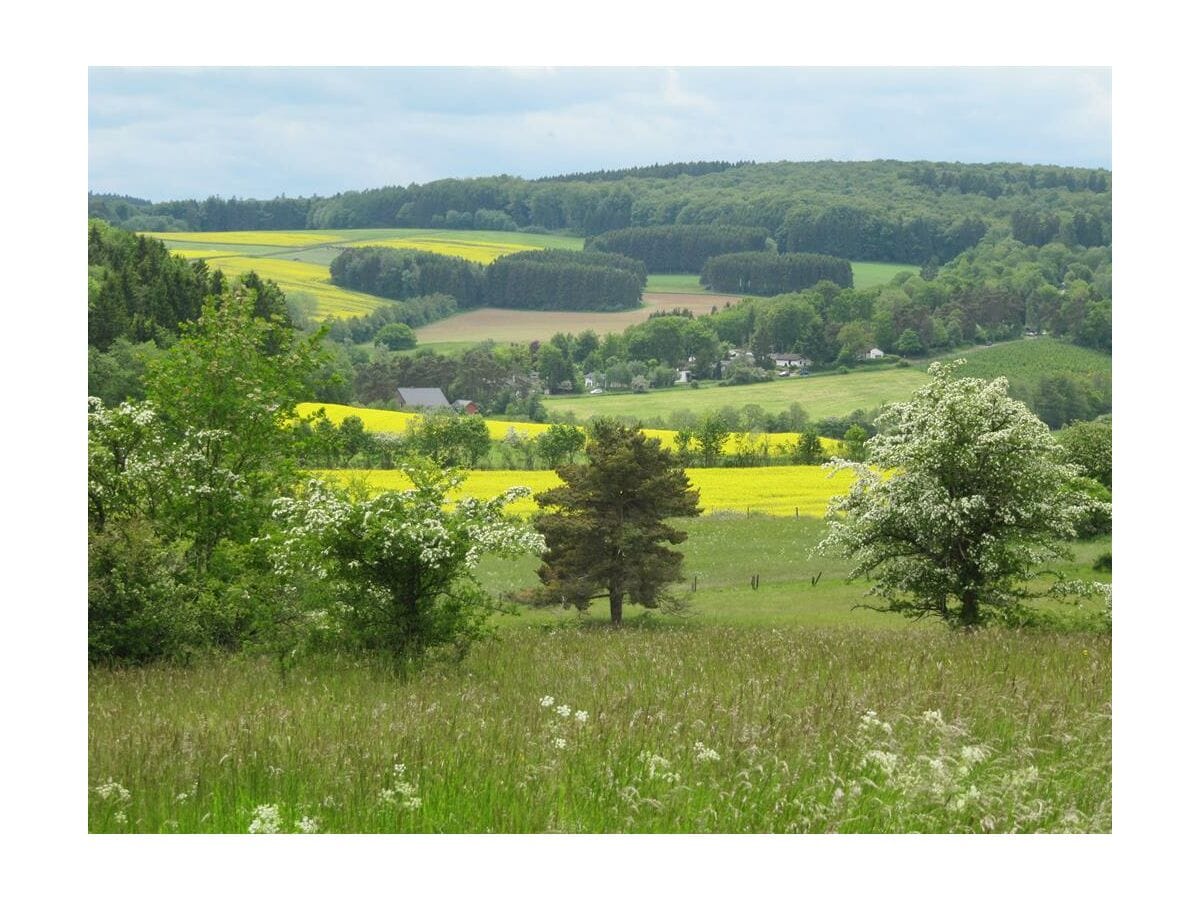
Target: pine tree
605 528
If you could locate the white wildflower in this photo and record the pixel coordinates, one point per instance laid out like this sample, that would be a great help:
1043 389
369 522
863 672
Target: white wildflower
266 820
581 716
883 759
560 743
932 717
547 701
308 825
973 755
563 710
705 754
112 790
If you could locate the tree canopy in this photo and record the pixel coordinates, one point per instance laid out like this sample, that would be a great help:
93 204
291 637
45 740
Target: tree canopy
963 495
605 528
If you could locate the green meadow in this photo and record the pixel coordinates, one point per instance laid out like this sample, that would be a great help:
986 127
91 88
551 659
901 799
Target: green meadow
782 709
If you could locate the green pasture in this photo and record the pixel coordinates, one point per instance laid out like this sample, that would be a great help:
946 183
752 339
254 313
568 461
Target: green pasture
873 274
820 395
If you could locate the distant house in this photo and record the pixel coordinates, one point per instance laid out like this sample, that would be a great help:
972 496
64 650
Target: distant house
874 353
790 361
421 398
683 376
591 380
466 407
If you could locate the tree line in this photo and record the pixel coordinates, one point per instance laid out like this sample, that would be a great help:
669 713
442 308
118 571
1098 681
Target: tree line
901 211
773 273
140 292
533 279
679 248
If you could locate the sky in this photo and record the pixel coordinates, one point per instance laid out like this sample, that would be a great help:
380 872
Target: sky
173 133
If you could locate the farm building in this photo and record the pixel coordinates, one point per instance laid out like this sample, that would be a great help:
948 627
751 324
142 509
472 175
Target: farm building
874 353
421 398
466 407
790 361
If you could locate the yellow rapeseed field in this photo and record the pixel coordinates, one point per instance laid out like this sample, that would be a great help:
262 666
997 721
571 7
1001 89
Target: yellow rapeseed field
304 278
482 252
260 238
383 420
766 490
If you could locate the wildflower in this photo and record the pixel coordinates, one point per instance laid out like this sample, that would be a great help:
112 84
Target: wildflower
560 743
932 717
972 755
581 716
308 825
705 754
564 710
266 820
883 759
112 790
121 817
547 701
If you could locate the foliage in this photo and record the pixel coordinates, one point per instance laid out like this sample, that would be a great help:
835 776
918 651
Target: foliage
679 248
396 336
400 563
450 439
558 443
771 273
977 495
225 390
605 528
1089 446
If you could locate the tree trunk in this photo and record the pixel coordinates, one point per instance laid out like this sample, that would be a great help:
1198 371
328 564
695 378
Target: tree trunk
615 597
970 609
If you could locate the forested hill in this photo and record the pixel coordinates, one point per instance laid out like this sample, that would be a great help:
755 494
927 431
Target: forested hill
885 210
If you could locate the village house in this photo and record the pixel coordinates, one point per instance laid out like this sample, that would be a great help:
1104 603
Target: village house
787 361
421 398
466 407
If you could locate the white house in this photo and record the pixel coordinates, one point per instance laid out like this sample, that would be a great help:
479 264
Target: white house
874 353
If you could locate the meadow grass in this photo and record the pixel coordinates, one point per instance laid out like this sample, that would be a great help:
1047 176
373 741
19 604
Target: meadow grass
772 710
647 729
820 395
873 274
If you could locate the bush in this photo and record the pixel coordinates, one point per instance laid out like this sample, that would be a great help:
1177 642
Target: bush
140 607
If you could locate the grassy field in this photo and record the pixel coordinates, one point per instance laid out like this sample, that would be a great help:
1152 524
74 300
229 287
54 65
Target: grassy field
873 274
835 395
397 422
649 730
820 395
1033 358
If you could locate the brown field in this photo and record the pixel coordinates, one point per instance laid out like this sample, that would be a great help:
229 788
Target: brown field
517 325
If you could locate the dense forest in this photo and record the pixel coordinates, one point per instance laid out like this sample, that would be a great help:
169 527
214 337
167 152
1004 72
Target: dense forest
884 210
679 248
534 279
773 273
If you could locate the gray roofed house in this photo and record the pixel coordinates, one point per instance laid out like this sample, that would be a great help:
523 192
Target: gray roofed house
425 398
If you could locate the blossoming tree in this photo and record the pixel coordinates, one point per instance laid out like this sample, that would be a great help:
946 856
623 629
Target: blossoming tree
974 497
400 563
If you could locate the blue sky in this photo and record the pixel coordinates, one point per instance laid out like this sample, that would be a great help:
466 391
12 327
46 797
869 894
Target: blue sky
162 133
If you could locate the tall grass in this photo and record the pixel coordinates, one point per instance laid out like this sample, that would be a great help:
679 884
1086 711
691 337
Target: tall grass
683 729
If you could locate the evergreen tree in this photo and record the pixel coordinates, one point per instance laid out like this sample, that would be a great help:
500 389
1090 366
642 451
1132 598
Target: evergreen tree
605 528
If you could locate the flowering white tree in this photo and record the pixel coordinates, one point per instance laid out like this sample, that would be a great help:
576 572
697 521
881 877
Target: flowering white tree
401 562
963 495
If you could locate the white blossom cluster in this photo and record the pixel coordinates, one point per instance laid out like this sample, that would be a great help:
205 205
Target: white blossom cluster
965 494
401 792
266 820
